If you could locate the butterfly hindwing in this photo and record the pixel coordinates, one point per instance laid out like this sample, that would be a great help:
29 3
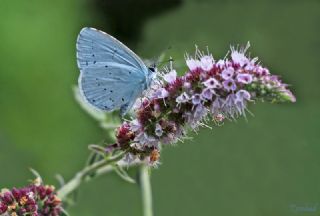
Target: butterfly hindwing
108 89
112 76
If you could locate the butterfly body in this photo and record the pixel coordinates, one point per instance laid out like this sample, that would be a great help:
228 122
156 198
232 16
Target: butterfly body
111 75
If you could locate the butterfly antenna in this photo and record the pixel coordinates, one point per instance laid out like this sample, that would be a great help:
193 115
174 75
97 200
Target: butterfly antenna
170 60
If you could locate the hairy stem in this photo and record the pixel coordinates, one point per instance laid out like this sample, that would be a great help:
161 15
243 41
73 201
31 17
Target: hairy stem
146 190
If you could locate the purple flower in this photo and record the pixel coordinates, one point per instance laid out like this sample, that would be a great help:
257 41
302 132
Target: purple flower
171 76
207 93
158 130
229 105
129 158
221 64
145 139
238 56
212 83
196 99
193 64
229 85
206 62
135 125
227 73
262 71
199 113
183 98
161 93
187 85
244 78
243 95
170 138
216 106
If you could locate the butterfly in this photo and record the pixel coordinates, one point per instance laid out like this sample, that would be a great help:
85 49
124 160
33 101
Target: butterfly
111 75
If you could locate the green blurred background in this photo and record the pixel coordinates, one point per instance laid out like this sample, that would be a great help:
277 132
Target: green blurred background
263 167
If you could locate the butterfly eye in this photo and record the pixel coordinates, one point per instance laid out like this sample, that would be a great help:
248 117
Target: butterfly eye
152 69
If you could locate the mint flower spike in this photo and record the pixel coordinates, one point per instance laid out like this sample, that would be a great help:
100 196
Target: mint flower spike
210 90
35 199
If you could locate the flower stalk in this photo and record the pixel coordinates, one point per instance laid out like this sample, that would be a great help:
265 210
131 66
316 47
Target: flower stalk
146 191
96 169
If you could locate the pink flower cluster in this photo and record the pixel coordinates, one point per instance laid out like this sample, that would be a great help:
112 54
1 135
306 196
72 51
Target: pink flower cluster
33 200
210 89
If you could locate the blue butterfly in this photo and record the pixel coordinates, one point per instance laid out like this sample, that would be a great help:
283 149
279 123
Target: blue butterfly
111 75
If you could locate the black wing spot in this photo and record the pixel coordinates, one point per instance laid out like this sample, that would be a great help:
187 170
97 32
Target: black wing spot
106 107
105 89
111 91
97 79
94 62
129 72
122 99
93 100
92 55
106 66
114 52
87 63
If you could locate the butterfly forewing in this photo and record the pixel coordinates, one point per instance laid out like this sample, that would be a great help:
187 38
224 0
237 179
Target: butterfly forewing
112 76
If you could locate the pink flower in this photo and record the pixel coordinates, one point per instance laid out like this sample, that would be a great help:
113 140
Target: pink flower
212 83
206 62
196 99
161 93
221 64
183 98
229 85
227 73
243 95
193 64
238 56
171 76
216 106
145 139
135 125
187 85
158 130
207 93
244 78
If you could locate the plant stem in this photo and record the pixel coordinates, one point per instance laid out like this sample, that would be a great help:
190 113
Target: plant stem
98 168
146 190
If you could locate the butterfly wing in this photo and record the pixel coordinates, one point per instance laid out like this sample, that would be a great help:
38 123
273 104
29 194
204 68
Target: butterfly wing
111 76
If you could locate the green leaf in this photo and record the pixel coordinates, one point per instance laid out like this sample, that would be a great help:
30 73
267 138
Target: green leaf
123 174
